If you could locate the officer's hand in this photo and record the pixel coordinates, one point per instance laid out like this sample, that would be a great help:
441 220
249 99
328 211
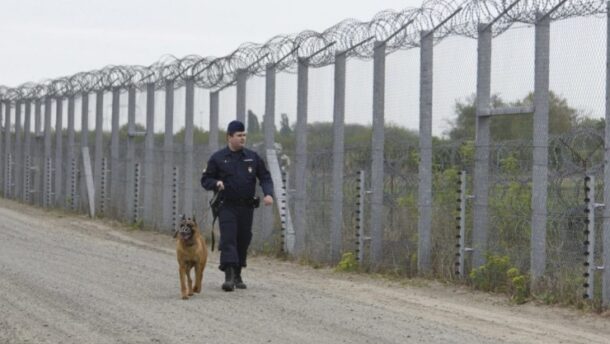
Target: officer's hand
220 185
268 200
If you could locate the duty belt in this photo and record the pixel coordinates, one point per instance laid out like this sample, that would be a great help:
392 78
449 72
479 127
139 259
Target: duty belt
243 202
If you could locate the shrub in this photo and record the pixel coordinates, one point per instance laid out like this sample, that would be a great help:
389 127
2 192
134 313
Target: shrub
348 263
497 275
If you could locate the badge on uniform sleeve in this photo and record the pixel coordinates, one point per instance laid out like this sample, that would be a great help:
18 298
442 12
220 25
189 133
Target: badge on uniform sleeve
249 169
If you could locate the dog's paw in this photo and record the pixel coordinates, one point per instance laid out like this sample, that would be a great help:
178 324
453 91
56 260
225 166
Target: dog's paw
185 297
197 290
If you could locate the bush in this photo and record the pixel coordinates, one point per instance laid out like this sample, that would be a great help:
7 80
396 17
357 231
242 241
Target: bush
497 275
348 263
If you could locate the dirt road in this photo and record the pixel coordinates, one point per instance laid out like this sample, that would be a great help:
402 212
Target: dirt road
68 279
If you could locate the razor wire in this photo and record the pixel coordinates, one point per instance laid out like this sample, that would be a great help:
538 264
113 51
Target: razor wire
401 29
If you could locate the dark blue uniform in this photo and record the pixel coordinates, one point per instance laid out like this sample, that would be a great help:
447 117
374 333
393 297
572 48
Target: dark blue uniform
238 171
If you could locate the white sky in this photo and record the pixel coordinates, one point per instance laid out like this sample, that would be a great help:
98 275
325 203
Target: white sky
54 38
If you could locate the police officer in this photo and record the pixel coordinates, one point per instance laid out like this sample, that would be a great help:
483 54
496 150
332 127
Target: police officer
233 171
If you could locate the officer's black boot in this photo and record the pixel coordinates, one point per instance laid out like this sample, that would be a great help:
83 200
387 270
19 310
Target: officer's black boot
229 284
239 283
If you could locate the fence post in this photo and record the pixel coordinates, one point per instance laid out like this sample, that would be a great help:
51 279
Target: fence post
540 141
84 142
38 163
424 222
269 139
130 189
70 158
58 165
26 185
377 152
240 111
18 153
47 172
360 217
174 202
168 155
606 223
336 225
48 177
188 147
149 155
113 200
103 186
7 148
300 178
212 141
482 143
2 124
99 145
135 207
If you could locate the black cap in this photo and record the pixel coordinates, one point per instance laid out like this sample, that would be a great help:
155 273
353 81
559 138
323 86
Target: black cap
235 126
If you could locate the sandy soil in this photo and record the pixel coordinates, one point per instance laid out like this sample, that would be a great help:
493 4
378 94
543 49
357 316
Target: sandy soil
69 279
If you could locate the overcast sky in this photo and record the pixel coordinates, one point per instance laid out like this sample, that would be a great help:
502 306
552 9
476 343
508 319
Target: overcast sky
54 38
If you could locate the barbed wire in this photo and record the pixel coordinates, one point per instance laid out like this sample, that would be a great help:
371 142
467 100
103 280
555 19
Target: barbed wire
284 51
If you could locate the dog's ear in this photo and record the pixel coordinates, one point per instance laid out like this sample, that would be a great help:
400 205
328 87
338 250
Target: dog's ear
194 219
183 217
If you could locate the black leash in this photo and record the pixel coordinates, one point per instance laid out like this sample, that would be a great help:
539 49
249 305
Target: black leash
215 204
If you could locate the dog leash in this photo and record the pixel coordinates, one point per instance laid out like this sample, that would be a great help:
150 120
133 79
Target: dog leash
215 204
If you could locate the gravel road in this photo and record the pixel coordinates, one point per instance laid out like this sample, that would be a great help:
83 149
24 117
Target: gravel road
69 279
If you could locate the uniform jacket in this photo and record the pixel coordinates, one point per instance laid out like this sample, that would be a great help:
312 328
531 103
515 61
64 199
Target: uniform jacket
238 174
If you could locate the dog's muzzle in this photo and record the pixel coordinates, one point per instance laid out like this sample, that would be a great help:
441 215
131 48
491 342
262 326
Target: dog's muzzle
185 232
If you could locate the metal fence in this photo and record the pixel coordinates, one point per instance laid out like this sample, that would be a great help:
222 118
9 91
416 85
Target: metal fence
526 199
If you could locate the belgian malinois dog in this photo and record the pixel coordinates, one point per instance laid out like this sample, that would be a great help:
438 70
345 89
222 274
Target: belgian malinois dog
191 252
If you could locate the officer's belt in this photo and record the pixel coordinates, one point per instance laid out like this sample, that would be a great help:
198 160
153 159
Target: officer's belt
242 202
238 201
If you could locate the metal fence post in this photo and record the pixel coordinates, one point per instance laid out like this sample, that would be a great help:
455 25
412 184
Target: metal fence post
482 143
168 154
38 160
47 173
149 155
2 125
541 143
7 148
188 147
377 152
70 158
84 142
18 153
240 106
269 140
424 223
174 203
300 180
27 153
99 145
58 165
360 217
130 188
336 225
113 199
606 223
135 207
103 186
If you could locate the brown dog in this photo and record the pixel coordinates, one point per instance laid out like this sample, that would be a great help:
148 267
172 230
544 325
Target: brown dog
191 252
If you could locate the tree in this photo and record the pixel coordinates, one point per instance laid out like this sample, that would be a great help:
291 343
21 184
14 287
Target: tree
562 118
285 125
253 124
